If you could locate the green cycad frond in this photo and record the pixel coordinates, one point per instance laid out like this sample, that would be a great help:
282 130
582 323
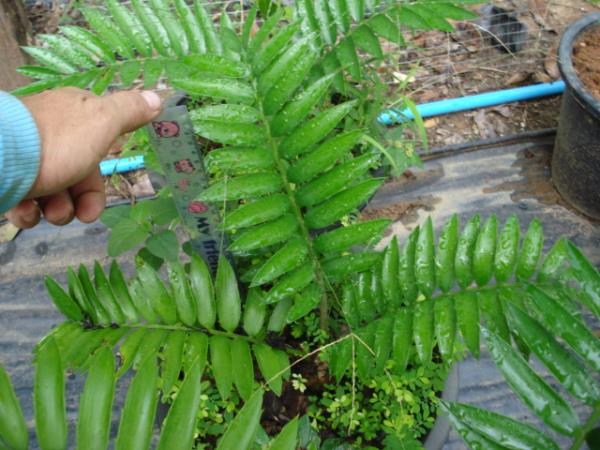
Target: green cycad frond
347 29
294 166
482 281
124 43
436 291
466 419
159 330
152 38
188 315
571 360
136 423
289 171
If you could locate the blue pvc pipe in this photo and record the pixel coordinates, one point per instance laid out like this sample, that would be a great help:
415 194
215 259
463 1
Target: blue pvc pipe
391 116
120 165
452 105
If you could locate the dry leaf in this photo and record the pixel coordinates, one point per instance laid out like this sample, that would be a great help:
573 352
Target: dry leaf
541 77
142 187
518 78
486 129
8 232
403 77
430 123
504 111
551 65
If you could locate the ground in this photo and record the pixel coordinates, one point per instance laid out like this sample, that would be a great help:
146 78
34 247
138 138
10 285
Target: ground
586 62
476 67
465 62
443 66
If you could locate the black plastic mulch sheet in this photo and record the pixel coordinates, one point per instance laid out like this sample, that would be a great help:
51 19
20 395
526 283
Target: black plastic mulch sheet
507 180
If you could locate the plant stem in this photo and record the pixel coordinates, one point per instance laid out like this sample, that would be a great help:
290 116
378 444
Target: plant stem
324 305
324 311
185 328
587 427
308 355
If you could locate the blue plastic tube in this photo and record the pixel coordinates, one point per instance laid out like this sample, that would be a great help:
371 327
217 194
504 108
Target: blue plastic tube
120 165
391 116
452 105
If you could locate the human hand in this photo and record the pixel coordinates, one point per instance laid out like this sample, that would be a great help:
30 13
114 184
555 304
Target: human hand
77 128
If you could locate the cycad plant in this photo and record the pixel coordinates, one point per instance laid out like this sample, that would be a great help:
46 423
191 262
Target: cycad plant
287 101
483 281
159 331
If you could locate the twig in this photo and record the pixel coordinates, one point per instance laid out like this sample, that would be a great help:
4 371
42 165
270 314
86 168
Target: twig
353 386
308 355
495 37
222 242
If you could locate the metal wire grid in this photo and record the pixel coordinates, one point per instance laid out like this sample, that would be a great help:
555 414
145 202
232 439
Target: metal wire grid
470 59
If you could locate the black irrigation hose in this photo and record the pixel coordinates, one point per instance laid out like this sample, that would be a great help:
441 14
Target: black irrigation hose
441 152
126 201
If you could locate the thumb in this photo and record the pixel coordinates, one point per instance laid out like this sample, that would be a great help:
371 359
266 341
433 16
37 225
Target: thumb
130 110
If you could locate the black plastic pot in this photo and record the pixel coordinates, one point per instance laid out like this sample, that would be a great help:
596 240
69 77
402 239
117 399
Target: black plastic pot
437 436
576 158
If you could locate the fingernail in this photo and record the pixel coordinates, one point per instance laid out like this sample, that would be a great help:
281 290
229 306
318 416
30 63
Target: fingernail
31 217
152 99
65 220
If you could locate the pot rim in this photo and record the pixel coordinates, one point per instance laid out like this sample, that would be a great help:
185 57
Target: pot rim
565 61
438 435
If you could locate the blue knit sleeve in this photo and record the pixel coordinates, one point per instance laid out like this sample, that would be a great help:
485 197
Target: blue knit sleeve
19 151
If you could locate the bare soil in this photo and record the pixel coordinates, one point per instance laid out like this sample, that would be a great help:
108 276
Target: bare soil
586 59
405 212
465 63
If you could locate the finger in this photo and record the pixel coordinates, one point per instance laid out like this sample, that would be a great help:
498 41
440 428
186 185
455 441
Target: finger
129 110
58 208
25 215
88 197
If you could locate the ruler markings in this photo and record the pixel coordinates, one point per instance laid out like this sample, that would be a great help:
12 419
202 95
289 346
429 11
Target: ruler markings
172 136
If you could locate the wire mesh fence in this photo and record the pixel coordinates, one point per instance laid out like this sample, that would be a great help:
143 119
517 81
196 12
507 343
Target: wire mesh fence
512 42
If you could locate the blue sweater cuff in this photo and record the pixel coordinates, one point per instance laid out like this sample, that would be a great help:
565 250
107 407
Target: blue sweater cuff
19 151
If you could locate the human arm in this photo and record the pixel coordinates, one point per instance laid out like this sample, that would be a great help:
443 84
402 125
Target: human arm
76 130
19 151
